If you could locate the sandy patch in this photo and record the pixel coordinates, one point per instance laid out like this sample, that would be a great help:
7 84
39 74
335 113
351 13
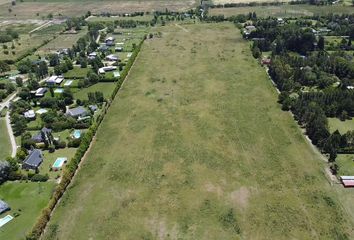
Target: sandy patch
240 197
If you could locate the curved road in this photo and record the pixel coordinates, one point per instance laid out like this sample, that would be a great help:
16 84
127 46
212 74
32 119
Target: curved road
8 123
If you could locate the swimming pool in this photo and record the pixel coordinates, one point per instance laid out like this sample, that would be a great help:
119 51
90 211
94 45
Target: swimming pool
5 220
59 90
68 83
59 162
77 134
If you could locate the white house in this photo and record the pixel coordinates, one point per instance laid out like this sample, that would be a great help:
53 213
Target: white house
92 55
55 80
30 114
112 57
102 70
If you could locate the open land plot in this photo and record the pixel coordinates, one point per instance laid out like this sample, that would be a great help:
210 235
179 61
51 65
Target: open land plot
39 9
64 41
27 200
341 126
283 10
105 87
242 1
27 42
5 145
196 147
145 17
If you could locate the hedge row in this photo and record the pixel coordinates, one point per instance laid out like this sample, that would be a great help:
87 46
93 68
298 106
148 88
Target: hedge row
70 168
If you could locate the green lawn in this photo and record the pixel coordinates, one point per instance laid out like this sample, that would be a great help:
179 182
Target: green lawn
64 41
196 147
77 72
5 145
105 87
114 18
341 126
346 164
27 199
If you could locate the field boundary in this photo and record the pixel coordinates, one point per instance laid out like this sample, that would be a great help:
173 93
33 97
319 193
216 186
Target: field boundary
75 163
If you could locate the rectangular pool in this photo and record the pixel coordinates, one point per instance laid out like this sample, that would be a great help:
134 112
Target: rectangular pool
59 162
59 90
5 220
77 134
68 83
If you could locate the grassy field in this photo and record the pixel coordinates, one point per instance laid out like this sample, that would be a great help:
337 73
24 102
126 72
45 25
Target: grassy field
283 10
26 199
5 146
77 72
113 18
105 87
341 126
41 8
195 147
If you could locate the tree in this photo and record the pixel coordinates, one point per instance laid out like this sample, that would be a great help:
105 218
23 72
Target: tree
53 60
321 43
256 52
4 171
19 81
4 67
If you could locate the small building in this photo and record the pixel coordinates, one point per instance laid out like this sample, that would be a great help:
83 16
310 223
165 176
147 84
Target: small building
266 61
348 183
40 92
103 48
280 21
33 161
103 70
4 207
112 57
42 135
77 112
55 80
118 49
110 41
30 114
92 56
93 108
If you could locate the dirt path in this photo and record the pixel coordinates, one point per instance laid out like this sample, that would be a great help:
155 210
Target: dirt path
11 135
40 27
184 29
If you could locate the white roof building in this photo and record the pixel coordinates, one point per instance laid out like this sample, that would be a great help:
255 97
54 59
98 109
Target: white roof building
30 114
111 57
55 79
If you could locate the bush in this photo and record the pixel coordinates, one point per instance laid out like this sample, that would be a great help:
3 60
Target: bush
74 143
39 178
60 144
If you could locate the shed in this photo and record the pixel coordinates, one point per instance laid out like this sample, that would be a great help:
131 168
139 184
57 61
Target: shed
34 160
40 92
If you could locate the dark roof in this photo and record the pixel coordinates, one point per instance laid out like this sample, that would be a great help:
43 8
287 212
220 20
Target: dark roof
34 159
78 111
4 206
39 137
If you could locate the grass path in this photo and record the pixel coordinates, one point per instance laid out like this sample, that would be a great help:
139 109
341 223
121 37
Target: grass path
196 147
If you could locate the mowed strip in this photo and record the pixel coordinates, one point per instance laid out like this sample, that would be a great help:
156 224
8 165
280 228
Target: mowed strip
195 147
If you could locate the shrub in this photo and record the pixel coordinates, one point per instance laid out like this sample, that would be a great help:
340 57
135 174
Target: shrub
39 178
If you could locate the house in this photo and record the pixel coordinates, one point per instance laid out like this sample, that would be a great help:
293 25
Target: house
280 21
41 111
30 114
34 160
55 80
40 92
250 28
103 48
4 207
102 70
266 61
43 135
111 57
93 108
77 112
110 41
118 49
92 55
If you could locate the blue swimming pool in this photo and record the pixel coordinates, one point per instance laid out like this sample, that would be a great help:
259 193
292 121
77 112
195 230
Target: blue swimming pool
77 134
59 162
5 220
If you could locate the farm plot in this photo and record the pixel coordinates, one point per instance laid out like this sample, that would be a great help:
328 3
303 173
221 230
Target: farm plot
195 147
41 9
64 41
283 10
